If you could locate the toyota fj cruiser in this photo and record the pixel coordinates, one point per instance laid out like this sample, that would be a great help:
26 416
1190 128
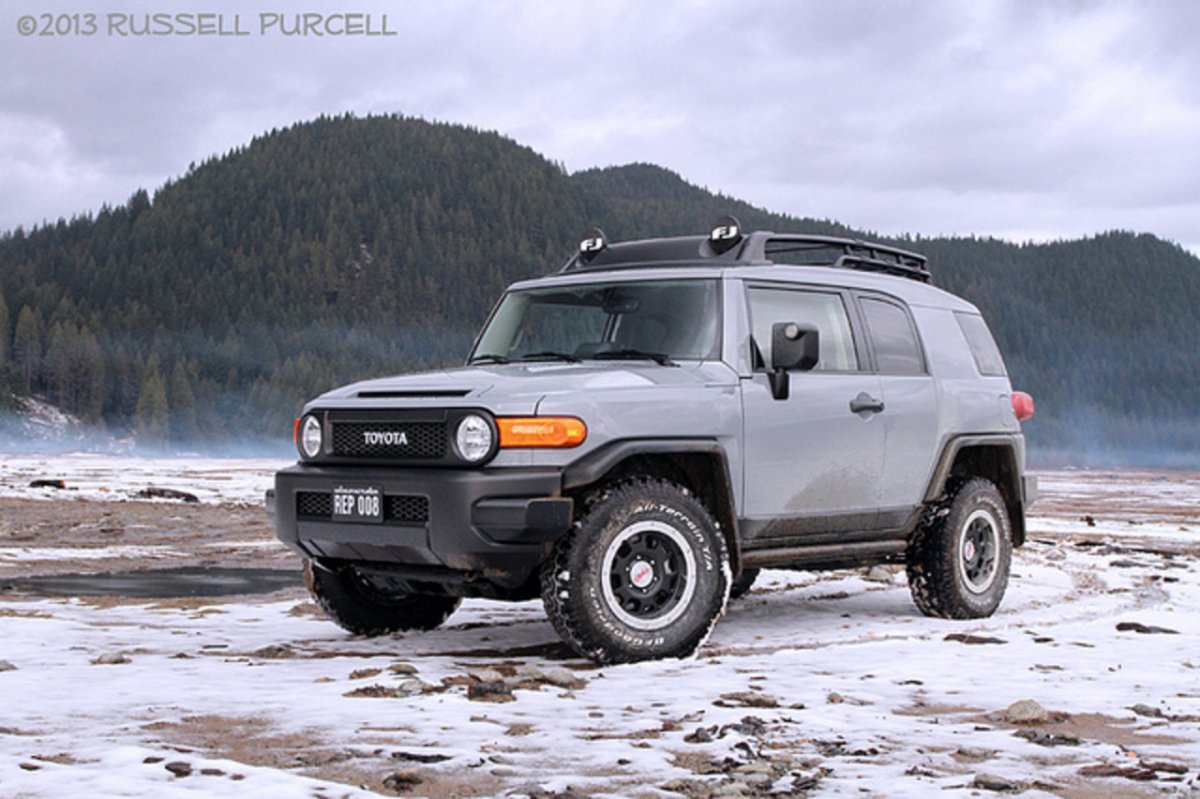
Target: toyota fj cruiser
633 437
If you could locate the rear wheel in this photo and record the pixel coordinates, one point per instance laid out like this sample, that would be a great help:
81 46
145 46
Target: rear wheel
356 606
958 563
643 574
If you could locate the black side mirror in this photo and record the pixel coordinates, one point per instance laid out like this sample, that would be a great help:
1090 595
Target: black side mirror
794 347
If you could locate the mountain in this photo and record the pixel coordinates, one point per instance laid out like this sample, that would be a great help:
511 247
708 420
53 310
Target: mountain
347 247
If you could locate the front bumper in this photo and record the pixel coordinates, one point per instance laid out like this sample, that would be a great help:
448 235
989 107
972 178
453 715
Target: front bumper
494 524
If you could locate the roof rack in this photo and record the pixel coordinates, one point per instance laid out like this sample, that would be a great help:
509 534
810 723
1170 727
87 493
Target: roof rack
728 246
867 256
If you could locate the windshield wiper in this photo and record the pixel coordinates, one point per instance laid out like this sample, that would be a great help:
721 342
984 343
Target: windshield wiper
662 359
550 355
488 358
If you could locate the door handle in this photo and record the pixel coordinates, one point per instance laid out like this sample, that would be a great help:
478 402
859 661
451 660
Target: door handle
865 403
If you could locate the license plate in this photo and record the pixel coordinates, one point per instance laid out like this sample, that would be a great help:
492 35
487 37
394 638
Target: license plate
362 504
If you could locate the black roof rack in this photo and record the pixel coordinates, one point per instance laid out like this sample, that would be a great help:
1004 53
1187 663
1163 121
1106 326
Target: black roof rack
751 249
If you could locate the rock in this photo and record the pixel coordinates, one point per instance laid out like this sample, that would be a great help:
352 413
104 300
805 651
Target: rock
700 735
1165 766
975 753
746 699
48 483
110 659
878 574
494 691
154 492
485 675
1137 627
1056 554
420 757
402 781
6 666
274 652
179 768
990 782
966 638
1147 711
1026 711
212 772
1043 738
402 668
362 674
735 788
410 687
529 673
562 678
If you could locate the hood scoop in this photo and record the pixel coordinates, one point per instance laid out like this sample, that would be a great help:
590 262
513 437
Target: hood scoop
431 393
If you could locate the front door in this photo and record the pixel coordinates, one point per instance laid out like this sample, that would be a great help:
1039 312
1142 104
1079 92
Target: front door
812 463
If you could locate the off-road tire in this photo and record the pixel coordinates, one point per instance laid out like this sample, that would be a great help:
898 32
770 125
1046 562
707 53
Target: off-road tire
643 574
949 577
742 585
356 607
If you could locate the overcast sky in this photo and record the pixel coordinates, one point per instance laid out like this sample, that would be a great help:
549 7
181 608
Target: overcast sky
1014 119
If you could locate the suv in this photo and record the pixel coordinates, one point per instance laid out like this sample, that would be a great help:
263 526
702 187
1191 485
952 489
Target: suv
633 437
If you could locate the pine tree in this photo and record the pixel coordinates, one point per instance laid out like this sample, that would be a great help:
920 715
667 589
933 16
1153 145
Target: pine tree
152 417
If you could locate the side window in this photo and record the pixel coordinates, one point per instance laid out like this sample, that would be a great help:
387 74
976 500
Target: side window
823 310
893 338
983 346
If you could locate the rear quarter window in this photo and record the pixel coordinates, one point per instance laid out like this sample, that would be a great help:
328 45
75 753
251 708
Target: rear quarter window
983 346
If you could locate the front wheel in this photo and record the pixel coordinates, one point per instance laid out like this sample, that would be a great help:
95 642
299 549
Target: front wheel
643 574
357 607
958 563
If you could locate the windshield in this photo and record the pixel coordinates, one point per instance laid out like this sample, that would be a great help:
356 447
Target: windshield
660 320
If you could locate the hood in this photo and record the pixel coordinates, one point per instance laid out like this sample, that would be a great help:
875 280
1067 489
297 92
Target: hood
514 388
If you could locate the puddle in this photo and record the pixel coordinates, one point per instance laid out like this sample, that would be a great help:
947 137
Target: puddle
189 581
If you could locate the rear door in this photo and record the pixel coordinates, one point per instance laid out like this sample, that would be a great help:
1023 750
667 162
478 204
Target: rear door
812 465
910 402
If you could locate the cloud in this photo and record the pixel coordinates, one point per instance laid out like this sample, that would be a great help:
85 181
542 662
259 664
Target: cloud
1022 120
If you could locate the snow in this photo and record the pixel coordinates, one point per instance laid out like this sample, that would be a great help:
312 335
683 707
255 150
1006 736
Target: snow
89 476
862 684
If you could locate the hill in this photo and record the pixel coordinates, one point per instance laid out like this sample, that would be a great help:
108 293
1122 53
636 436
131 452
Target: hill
344 247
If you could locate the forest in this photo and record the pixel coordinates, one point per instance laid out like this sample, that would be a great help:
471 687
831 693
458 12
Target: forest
345 247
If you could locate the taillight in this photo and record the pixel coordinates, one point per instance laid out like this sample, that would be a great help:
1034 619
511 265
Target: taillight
1022 405
541 431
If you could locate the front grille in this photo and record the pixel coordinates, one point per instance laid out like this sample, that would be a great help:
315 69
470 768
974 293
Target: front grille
409 509
314 505
397 508
425 440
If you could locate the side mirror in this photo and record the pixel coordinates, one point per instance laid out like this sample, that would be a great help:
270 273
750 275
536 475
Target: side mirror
794 347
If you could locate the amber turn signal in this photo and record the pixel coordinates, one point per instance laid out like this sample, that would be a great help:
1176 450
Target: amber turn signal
541 431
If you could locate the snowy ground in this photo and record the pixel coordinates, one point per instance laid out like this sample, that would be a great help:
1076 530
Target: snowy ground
813 685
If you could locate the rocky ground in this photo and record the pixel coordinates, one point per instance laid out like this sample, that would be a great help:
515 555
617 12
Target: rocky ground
1086 683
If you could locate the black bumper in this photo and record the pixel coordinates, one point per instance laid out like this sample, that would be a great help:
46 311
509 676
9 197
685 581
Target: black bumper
493 524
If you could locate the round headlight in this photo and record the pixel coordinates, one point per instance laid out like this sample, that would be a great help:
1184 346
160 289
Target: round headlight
310 437
474 438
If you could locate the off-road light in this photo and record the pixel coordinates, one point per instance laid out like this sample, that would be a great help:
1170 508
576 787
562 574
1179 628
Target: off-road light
593 242
309 438
725 233
473 438
541 431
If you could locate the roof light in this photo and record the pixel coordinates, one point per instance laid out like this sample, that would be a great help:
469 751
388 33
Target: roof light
725 234
593 242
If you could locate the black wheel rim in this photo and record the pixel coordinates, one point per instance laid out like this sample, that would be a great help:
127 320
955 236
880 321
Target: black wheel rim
979 546
648 574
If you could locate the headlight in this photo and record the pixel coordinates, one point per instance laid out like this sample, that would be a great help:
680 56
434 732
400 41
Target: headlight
310 437
473 438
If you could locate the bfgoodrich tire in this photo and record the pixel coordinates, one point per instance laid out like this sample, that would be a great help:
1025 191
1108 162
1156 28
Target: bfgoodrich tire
643 574
958 563
356 607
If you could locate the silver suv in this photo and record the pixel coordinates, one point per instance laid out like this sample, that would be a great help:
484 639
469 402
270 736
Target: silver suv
636 435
